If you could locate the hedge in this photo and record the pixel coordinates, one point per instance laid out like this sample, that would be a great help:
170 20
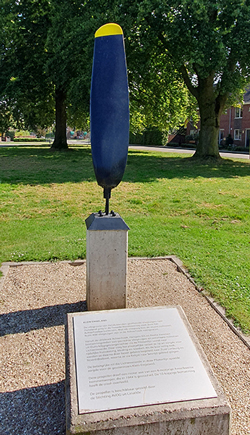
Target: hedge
151 136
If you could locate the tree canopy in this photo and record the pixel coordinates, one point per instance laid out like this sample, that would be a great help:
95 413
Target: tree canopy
23 81
207 42
158 96
48 56
70 49
180 54
39 60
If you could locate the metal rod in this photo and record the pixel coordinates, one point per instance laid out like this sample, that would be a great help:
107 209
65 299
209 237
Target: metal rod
107 195
107 206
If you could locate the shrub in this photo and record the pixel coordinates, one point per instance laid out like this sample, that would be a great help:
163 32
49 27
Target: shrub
240 148
136 138
11 134
152 136
50 136
28 140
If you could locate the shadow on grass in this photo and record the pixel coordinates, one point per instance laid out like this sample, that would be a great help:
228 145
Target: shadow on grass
34 411
46 317
35 166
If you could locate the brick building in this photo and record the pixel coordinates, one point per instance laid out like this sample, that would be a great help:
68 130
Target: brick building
234 121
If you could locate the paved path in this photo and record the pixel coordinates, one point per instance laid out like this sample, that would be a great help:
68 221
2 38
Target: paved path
228 155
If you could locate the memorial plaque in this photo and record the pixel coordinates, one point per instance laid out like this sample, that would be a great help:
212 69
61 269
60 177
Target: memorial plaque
136 357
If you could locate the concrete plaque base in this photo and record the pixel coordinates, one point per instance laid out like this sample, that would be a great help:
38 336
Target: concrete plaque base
104 393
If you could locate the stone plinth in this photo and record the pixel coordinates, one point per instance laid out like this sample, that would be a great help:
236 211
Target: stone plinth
106 262
132 378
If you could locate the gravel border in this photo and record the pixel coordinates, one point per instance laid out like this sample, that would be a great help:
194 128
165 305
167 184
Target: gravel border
35 298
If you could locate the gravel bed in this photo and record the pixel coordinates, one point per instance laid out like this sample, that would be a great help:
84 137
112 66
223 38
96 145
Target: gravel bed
34 301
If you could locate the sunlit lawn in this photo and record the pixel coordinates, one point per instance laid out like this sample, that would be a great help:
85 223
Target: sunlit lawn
173 205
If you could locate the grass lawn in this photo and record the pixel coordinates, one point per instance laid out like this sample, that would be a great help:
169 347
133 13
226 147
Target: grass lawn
172 204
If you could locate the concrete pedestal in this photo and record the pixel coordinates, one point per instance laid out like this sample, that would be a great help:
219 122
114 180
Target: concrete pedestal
106 262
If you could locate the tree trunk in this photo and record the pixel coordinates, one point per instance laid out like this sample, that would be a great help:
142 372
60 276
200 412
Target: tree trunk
60 141
207 146
210 107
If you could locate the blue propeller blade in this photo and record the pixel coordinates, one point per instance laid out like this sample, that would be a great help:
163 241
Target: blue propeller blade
109 107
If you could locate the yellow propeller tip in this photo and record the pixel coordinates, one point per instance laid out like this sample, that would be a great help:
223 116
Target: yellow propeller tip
109 29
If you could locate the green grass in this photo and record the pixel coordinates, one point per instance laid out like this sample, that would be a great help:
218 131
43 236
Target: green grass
172 204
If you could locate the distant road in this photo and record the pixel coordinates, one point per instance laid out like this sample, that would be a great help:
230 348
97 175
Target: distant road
227 154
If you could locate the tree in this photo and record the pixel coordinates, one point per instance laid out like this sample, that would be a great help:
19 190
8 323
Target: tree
22 78
207 42
5 117
39 60
70 44
158 96
5 35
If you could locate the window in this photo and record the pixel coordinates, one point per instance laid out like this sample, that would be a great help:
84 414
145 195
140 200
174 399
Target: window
238 112
237 134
